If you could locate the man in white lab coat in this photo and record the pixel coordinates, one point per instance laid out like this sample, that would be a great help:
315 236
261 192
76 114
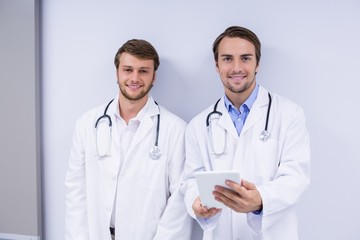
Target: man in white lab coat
127 160
259 134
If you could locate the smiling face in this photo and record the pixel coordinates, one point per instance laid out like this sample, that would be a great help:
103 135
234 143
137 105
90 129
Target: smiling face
237 66
135 77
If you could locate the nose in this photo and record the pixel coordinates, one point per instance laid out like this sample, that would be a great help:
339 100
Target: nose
237 65
135 76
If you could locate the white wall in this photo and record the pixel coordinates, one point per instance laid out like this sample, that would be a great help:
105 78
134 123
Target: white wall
310 54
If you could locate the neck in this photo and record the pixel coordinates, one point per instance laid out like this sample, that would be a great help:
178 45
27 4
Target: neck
130 108
238 98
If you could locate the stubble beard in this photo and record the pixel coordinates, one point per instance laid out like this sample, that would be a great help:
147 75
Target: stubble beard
142 94
242 88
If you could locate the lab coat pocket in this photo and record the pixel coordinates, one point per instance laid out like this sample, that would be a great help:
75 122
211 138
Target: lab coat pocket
266 158
261 180
153 173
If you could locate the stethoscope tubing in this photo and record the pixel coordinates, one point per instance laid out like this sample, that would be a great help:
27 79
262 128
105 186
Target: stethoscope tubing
105 115
213 112
157 127
268 112
155 152
265 133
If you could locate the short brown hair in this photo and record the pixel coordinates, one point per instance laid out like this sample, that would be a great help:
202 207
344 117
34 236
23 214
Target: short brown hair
139 48
240 32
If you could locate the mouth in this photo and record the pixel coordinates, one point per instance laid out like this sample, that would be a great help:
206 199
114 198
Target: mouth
134 87
237 77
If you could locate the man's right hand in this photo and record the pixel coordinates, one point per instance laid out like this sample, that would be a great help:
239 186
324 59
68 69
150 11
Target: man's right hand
203 212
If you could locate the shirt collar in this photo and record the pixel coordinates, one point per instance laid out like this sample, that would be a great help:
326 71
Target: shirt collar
246 105
139 116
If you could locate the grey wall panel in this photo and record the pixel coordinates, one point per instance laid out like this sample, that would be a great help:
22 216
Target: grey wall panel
20 198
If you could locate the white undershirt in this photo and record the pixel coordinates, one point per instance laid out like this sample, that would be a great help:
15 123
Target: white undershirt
126 135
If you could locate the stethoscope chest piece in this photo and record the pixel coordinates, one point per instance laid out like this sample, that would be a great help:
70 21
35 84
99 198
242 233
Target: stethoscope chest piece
155 153
264 136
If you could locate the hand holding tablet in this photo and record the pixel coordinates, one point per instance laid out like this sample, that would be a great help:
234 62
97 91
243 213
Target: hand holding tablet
207 181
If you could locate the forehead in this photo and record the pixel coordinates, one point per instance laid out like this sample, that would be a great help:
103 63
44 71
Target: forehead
126 59
235 45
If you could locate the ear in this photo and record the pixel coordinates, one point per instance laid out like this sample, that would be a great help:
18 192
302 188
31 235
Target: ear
117 76
217 67
154 77
257 69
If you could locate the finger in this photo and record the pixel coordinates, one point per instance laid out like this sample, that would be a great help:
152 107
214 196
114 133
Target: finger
198 207
233 200
223 198
234 186
226 196
209 212
229 193
227 202
203 211
248 185
200 211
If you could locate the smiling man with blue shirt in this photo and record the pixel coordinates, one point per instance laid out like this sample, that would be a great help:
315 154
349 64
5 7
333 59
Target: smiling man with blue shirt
265 139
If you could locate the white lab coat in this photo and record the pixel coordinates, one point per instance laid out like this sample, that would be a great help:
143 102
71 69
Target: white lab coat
280 168
143 185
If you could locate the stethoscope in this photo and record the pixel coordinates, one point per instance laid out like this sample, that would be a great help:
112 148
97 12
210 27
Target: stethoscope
220 149
103 149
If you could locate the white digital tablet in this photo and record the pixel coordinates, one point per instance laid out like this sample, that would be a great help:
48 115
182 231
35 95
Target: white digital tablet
207 181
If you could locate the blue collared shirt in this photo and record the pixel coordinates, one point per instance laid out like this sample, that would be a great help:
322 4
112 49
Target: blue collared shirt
238 116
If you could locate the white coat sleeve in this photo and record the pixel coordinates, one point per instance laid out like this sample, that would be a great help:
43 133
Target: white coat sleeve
195 142
76 225
280 194
175 223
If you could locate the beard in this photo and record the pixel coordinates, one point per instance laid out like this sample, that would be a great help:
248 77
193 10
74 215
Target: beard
137 97
239 89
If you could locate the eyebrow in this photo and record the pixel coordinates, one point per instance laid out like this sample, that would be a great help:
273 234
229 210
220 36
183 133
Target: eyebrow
242 55
247 55
127 66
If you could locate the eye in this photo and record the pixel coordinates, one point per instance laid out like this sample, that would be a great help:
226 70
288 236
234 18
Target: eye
144 71
227 59
127 70
246 59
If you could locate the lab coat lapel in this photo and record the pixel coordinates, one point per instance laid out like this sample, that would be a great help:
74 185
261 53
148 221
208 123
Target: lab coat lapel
113 109
257 111
112 163
146 125
225 120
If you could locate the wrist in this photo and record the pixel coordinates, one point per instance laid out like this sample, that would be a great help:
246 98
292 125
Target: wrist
259 211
